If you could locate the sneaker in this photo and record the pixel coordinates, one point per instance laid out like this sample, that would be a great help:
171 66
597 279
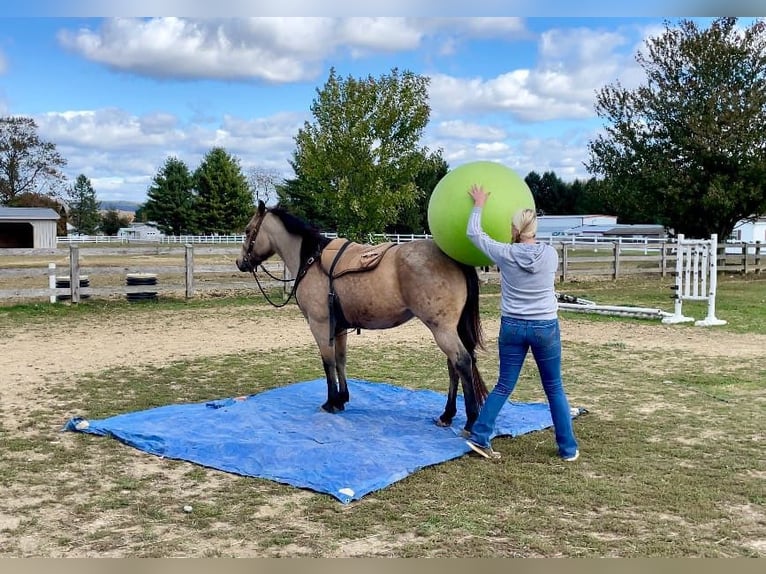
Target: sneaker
485 451
574 457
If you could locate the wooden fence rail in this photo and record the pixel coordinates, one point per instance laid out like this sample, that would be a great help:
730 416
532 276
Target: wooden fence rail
188 271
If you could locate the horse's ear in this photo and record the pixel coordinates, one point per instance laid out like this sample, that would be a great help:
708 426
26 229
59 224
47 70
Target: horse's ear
261 207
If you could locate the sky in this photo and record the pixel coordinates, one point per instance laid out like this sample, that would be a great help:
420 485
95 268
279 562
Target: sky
119 95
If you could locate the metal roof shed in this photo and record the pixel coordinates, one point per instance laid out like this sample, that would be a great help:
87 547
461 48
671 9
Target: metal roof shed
28 227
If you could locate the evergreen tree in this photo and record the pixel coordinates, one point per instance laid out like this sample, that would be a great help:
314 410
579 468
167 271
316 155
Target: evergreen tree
84 213
170 199
224 202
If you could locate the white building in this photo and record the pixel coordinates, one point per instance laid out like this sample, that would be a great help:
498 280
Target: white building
28 227
141 231
749 231
552 225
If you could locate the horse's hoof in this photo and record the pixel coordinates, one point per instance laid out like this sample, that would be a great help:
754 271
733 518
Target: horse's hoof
465 433
332 409
441 423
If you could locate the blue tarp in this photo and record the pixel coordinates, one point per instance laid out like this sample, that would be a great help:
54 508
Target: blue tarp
385 434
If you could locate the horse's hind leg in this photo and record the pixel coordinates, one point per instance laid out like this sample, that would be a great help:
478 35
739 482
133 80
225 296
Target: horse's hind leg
450 409
460 367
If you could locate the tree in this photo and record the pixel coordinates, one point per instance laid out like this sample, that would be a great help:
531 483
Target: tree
553 196
263 183
224 203
83 207
27 163
299 197
414 218
170 199
359 158
688 148
112 222
30 199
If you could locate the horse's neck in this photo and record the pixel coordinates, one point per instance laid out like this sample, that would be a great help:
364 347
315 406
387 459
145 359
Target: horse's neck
287 246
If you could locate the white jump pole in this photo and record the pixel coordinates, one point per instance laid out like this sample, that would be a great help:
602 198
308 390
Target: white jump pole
681 292
712 266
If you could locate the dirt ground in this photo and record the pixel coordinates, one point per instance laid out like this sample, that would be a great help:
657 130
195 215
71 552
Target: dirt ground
27 355
35 353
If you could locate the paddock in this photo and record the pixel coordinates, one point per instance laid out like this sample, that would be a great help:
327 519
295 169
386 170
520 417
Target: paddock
670 463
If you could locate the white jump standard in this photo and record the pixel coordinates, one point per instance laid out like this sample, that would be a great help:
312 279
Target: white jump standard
696 279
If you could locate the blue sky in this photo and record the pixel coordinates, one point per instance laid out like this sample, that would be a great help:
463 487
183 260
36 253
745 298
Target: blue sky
119 95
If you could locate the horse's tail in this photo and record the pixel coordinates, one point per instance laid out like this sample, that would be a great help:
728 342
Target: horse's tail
470 330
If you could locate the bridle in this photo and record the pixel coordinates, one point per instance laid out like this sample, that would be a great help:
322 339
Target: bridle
254 267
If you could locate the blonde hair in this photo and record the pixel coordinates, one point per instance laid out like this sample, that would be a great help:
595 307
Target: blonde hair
525 222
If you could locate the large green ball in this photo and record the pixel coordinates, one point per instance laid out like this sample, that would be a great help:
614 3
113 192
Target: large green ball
450 207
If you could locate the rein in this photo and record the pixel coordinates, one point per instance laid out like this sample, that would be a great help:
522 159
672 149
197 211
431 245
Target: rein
309 262
301 272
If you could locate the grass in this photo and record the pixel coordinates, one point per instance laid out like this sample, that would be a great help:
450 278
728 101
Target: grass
672 460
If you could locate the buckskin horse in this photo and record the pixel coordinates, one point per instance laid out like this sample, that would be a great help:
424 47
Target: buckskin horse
340 285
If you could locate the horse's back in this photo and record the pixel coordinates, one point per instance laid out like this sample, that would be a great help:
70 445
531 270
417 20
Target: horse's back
413 279
424 256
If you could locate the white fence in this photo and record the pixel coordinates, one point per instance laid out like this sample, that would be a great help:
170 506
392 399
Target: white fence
646 243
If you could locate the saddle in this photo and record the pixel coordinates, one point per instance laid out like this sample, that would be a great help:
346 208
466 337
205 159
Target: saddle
340 257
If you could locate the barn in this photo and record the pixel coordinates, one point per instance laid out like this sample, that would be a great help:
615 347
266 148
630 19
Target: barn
28 227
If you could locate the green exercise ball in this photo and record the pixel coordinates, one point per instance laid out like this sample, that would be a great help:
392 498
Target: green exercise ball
450 207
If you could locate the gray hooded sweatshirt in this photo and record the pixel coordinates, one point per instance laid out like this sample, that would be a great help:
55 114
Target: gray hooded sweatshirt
527 273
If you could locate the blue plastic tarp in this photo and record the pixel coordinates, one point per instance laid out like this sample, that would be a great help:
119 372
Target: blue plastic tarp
385 433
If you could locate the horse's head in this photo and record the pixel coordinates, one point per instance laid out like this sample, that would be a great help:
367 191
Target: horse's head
256 247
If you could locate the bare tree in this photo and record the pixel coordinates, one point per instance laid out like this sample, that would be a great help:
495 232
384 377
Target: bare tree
262 183
27 163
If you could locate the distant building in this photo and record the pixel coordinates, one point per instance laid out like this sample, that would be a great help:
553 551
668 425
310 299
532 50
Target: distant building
28 227
749 231
553 225
594 225
141 231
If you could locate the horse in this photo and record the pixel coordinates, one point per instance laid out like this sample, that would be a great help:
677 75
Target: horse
339 286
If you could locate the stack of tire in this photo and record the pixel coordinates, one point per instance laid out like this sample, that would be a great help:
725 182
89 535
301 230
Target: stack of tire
147 279
65 283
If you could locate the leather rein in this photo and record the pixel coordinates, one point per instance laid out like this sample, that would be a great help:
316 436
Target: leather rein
253 268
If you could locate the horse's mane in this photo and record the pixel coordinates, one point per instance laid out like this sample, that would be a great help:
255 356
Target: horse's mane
313 240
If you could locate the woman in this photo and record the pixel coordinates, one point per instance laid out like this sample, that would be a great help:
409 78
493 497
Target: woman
529 320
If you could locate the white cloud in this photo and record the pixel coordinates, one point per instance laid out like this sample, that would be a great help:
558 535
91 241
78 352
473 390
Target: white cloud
121 152
270 49
572 65
221 49
467 130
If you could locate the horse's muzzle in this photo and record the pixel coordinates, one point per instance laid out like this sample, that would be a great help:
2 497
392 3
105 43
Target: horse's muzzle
244 265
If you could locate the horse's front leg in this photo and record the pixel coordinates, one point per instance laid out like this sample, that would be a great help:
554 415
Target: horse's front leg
327 351
341 339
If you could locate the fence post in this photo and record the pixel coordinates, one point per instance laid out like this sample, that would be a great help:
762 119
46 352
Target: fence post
564 261
189 260
757 257
743 245
74 273
616 249
52 281
664 260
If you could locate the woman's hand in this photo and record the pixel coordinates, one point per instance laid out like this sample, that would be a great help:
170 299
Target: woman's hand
478 195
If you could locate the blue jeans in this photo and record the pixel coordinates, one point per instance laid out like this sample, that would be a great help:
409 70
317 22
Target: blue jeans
517 336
